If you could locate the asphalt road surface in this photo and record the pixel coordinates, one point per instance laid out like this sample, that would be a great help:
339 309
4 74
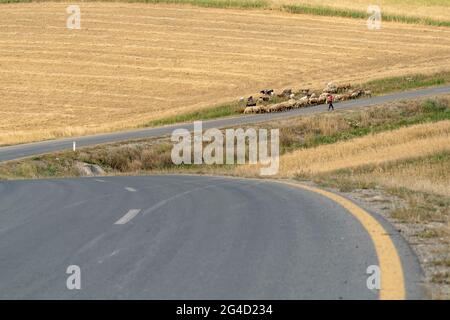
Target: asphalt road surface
25 150
184 237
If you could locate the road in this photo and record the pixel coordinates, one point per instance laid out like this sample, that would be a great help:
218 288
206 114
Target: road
185 237
25 150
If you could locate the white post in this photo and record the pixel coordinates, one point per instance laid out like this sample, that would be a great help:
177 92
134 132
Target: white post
74 146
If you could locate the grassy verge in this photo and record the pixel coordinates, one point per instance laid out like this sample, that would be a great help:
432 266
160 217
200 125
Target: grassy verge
240 4
407 82
358 14
205 114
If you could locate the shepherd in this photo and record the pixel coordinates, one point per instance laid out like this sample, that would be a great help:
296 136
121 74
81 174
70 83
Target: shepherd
330 100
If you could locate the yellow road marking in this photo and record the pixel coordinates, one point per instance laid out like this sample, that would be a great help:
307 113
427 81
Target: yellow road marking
392 279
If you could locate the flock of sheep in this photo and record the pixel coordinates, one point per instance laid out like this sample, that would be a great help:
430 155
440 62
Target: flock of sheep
301 98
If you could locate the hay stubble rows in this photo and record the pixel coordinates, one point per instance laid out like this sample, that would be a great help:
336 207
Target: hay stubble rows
133 63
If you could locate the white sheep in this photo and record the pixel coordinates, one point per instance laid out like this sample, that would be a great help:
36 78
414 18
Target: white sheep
248 110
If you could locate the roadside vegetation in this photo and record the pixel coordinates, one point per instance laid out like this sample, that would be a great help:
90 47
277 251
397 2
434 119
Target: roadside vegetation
407 82
225 110
334 141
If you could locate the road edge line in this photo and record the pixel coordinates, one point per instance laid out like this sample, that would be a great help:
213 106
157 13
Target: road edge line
392 276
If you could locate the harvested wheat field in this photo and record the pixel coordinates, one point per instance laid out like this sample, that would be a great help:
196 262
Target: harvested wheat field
401 144
133 63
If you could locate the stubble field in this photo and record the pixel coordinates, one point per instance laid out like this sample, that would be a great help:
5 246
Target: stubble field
134 63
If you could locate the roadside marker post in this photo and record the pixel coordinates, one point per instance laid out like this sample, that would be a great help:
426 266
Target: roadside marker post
74 147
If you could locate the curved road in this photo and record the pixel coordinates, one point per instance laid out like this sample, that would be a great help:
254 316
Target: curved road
30 149
185 237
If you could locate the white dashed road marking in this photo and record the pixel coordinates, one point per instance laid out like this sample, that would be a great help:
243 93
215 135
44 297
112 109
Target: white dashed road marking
130 189
128 216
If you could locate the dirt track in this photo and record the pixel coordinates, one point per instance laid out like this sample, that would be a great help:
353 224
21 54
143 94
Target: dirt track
131 63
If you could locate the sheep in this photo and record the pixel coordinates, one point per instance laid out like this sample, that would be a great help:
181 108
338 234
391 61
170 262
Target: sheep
286 93
290 103
248 110
282 106
273 108
330 88
277 107
265 109
322 99
301 104
355 94
262 99
267 92
253 109
313 100
251 102
343 87
308 98
303 99
345 97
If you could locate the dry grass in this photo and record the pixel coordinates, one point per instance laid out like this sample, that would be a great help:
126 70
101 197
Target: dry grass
404 143
135 63
422 175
